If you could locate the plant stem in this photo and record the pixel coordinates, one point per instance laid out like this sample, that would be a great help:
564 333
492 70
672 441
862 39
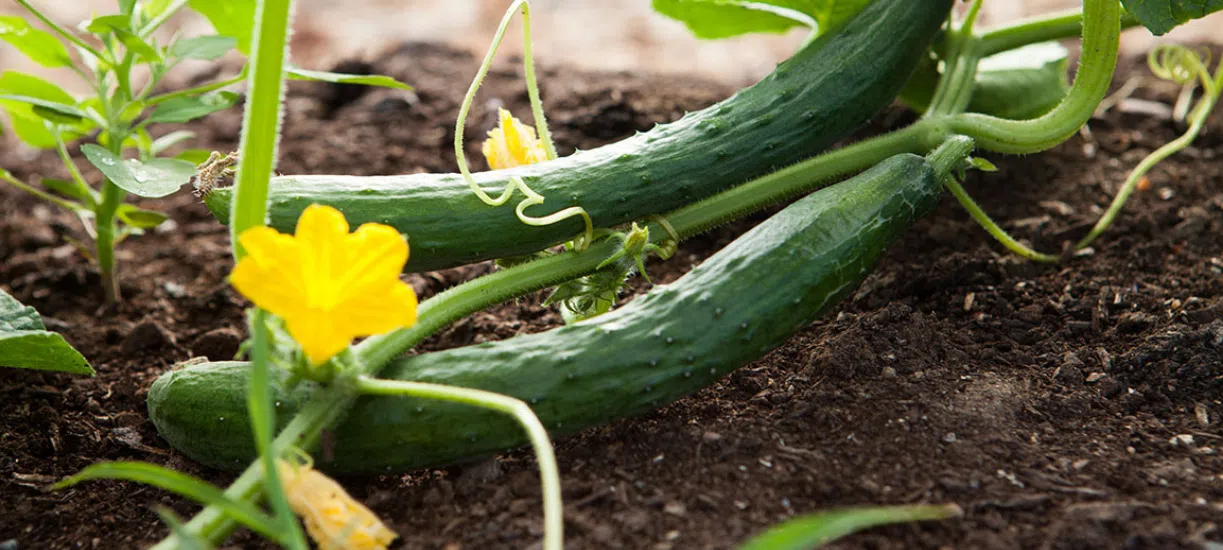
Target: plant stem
261 118
263 425
69 36
161 18
991 227
1101 32
62 203
196 91
554 525
1067 24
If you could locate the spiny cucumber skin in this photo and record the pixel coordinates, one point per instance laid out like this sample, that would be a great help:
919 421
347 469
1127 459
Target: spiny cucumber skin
820 95
732 309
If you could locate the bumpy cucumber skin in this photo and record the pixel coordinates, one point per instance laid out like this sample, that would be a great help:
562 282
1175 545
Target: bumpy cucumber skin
820 95
732 309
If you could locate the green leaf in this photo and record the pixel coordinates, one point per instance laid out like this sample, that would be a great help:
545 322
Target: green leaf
725 18
27 124
67 188
207 48
234 18
182 484
187 539
1161 16
108 23
40 46
184 109
194 156
1023 83
138 218
53 111
153 178
126 6
341 78
16 316
169 140
26 344
815 530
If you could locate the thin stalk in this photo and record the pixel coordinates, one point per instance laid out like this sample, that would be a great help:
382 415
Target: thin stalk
993 228
82 185
62 203
528 71
1067 24
161 18
1201 112
1101 32
554 524
69 36
261 118
196 91
263 425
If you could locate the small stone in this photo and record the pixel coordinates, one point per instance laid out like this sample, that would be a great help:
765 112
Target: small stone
220 344
711 437
148 335
1095 377
1181 439
1111 387
1071 370
174 289
949 438
676 509
889 372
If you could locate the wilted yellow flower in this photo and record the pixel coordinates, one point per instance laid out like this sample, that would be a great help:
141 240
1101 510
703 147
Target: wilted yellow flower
333 518
329 285
512 143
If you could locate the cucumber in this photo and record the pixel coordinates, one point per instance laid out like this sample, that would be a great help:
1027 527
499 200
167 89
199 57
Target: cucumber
733 308
825 91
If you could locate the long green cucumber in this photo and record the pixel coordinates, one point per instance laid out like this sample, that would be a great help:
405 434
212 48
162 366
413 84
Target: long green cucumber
733 308
820 95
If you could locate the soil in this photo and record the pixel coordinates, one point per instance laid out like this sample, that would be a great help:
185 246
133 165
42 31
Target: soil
1062 407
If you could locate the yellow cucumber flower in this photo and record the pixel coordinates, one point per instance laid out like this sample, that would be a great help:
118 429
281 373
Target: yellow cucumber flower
333 518
512 143
329 285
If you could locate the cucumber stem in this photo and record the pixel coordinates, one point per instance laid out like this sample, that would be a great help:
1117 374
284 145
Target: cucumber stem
554 521
1101 32
1067 24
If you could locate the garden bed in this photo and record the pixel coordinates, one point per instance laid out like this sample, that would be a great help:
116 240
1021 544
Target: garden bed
1072 406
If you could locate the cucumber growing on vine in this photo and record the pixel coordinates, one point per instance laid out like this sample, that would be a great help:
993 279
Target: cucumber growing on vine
829 88
732 309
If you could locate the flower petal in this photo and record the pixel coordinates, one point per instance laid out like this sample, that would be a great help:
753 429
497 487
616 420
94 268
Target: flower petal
322 233
320 334
270 275
376 312
378 254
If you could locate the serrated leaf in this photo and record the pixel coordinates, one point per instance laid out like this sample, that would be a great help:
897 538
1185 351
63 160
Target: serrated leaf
815 530
185 109
139 218
153 178
25 344
342 78
27 124
40 46
207 48
235 18
1161 16
712 19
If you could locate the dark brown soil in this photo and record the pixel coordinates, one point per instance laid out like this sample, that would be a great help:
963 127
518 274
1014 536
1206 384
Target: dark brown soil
1045 401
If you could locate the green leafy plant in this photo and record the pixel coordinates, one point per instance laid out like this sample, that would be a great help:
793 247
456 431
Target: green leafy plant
120 115
25 342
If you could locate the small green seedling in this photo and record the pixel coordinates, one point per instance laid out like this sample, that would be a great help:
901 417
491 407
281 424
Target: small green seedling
118 121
